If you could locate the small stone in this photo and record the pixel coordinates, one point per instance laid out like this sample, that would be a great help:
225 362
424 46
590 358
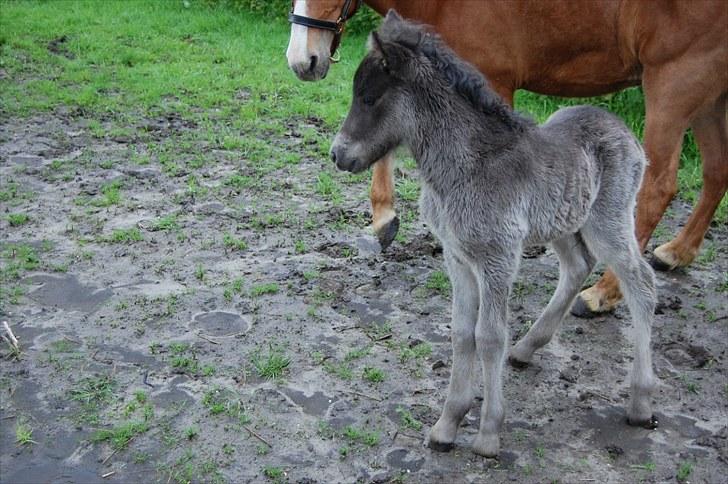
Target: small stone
438 364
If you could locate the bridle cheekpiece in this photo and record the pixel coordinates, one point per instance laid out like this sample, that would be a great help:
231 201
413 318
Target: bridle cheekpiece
336 27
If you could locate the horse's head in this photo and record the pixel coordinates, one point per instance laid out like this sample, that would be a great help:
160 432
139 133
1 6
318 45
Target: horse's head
316 28
381 110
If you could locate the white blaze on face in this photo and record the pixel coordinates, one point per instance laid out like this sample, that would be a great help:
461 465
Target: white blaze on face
297 52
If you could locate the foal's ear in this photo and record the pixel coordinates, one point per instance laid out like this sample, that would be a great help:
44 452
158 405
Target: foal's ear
394 56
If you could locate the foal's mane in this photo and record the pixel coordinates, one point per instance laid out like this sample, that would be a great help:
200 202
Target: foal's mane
461 76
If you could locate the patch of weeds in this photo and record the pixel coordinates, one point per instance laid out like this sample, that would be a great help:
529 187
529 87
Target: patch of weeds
238 182
233 243
407 420
438 281
200 272
221 401
233 288
192 432
273 473
684 471
357 353
120 436
24 433
18 259
356 435
328 189
125 236
373 375
18 219
723 285
417 352
342 370
262 289
110 195
92 393
311 275
408 189
166 223
691 386
300 247
272 364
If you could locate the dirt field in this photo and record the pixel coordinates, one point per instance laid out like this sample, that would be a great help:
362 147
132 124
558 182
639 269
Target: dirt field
214 323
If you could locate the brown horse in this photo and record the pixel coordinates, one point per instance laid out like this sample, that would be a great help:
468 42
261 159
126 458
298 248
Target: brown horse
676 50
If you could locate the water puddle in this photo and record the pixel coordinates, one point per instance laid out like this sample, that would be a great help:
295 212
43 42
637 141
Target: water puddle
65 292
220 323
316 404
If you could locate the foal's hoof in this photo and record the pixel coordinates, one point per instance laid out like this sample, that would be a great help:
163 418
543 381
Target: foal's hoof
487 446
649 423
387 232
516 363
440 446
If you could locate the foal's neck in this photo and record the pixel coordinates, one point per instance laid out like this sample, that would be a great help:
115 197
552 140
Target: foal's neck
452 136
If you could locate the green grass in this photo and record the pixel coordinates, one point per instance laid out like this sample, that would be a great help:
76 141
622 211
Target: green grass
271 364
122 63
18 219
24 434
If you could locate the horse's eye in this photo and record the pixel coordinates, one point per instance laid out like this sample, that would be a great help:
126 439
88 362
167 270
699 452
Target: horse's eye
368 100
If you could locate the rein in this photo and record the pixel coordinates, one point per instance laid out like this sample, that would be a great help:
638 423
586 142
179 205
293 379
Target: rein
336 27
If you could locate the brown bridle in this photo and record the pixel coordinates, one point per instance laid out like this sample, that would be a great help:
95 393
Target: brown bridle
336 27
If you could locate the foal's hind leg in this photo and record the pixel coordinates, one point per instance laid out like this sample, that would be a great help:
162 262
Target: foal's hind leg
575 265
637 280
460 392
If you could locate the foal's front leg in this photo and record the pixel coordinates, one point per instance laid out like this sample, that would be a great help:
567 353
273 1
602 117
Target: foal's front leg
464 317
495 277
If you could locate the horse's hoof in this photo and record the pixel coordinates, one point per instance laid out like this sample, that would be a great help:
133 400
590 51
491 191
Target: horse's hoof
440 446
580 309
660 265
650 423
517 364
387 232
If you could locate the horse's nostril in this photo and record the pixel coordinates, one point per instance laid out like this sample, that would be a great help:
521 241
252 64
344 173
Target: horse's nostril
333 156
314 61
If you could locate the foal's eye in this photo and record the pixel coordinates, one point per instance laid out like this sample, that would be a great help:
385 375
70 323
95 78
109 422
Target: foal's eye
368 100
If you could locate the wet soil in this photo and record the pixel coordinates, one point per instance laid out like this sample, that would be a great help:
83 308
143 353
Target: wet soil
185 319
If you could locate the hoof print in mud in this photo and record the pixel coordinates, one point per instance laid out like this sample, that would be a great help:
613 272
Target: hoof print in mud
386 234
650 424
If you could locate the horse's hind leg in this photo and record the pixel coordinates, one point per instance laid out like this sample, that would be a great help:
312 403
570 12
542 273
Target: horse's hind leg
711 134
460 392
621 252
575 265
385 222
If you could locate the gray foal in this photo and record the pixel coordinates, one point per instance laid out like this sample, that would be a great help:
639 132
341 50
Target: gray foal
493 182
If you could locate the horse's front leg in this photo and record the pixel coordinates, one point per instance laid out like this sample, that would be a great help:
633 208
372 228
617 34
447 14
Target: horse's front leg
464 317
385 222
491 339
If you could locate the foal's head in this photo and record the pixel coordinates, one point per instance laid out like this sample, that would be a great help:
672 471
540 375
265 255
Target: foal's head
408 77
379 112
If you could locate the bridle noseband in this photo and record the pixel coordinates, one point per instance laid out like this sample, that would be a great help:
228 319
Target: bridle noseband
336 27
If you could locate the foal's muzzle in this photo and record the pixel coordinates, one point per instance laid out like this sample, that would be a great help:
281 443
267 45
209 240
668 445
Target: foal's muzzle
343 155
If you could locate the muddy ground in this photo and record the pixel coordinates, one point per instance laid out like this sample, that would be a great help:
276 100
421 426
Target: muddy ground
188 325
